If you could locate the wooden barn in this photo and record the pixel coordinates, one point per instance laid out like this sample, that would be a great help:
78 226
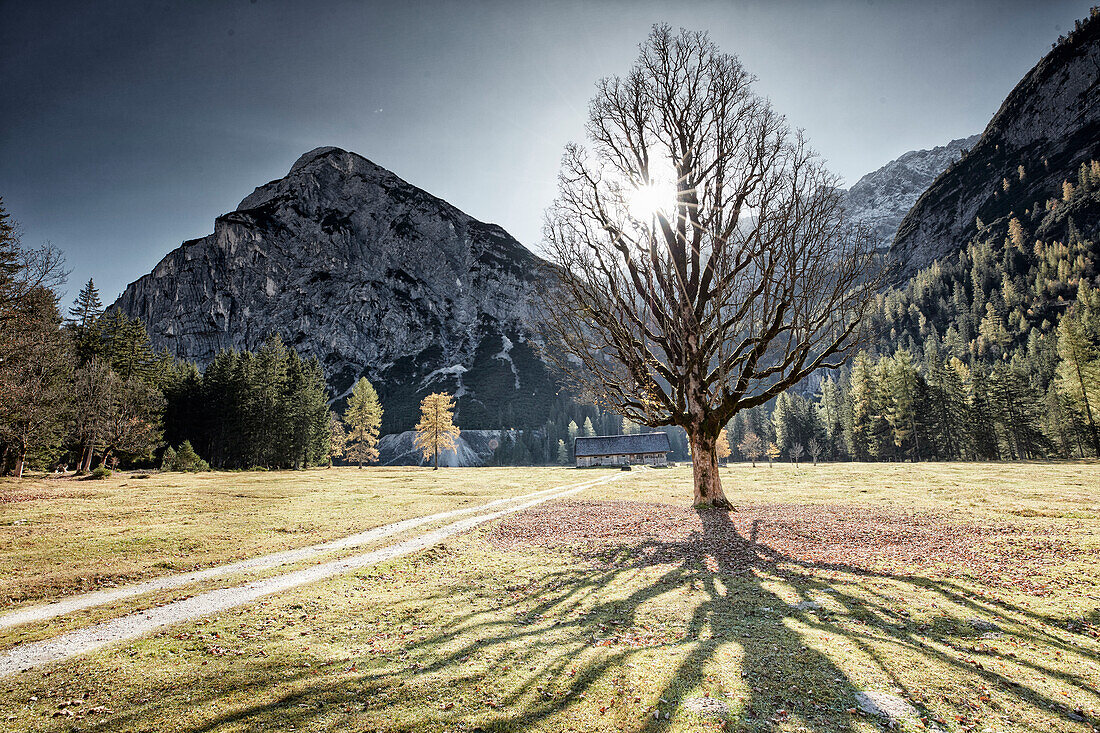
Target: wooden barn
650 449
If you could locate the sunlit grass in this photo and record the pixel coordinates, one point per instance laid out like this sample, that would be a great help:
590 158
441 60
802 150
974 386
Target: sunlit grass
58 537
478 634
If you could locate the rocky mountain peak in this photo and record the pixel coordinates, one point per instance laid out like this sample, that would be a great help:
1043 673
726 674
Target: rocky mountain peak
373 276
882 198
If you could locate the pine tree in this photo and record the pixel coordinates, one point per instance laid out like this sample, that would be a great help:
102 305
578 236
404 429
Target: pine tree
573 430
436 430
337 438
901 413
563 453
1078 375
305 412
829 411
589 429
363 418
881 438
125 344
863 410
83 315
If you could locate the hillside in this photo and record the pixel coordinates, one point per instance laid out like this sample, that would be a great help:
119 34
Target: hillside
1046 128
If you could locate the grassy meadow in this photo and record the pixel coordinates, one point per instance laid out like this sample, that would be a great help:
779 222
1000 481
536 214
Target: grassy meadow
965 593
60 536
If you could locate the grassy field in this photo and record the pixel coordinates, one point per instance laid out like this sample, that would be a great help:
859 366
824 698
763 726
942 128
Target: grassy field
60 536
965 594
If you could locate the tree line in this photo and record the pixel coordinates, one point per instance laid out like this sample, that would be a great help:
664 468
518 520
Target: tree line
89 391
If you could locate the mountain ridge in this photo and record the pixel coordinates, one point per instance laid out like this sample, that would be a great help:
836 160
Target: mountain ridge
882 198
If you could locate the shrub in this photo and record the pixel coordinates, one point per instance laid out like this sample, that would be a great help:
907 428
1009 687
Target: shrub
183 459
100 472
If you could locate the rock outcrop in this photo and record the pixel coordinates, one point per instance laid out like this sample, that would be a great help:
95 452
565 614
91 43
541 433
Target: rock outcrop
373 276
1046 127
882 198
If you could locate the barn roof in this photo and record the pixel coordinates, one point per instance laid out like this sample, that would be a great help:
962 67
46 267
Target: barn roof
609 445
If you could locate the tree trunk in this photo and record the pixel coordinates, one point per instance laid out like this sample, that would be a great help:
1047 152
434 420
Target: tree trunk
20 459
86 459
1088 407
704 466
436 466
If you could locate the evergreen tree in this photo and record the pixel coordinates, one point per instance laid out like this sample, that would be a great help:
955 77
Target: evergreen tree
563 453
337 438
1078 372
589 429
83 315
125 344
864 408
305 412
902 383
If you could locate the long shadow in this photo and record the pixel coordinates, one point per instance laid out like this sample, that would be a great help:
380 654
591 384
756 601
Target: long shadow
570 634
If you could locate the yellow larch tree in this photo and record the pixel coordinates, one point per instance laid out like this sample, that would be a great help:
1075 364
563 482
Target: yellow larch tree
363 420
436 430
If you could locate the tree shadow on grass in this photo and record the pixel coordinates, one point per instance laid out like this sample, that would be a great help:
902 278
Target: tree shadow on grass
598 645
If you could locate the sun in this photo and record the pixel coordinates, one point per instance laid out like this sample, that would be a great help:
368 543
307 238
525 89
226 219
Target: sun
649 200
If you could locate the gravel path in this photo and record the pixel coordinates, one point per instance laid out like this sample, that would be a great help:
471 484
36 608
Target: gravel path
139 624
98 598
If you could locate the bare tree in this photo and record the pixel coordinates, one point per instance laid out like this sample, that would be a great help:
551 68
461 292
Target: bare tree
751 447
815 449
24 273
701 260
796 452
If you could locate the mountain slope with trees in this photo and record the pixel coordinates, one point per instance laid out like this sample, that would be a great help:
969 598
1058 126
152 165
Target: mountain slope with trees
1045 129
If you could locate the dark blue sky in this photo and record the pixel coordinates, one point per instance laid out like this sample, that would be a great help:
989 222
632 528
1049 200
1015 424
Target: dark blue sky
126 127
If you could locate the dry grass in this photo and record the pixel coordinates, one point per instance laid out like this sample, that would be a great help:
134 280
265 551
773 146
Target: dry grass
599 613
62 536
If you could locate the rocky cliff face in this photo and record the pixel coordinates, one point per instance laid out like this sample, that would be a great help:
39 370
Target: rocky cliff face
882 198
1046 127
375 277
